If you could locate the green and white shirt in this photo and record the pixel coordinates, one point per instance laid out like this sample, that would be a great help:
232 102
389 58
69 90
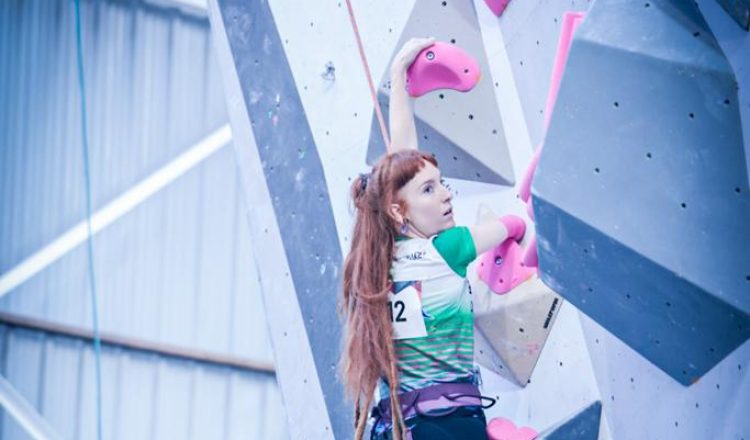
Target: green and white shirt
431 310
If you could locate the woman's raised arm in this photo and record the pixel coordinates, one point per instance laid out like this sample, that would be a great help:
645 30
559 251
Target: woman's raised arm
401 116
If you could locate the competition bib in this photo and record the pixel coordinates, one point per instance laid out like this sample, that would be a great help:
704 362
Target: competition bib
406 312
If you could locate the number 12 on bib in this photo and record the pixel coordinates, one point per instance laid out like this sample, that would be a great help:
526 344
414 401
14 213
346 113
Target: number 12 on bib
405 306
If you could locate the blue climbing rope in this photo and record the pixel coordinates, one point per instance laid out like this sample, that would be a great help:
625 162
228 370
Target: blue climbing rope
90 238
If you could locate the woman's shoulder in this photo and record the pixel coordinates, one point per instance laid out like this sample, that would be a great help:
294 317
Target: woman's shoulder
456 246
455 232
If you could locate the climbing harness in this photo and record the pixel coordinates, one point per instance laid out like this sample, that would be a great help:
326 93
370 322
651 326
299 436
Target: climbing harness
433 401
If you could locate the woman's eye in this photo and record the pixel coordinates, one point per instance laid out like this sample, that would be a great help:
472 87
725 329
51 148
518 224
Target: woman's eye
446 186
428 189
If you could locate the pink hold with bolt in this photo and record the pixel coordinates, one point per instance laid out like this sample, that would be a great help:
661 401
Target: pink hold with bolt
442 66
502 268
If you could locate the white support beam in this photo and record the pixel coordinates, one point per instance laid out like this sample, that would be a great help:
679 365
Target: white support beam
133 197
25 414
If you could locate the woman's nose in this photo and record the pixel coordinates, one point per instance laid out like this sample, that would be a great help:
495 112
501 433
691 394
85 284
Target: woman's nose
447 194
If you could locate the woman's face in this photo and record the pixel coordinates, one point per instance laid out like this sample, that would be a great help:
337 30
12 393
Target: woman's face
428 203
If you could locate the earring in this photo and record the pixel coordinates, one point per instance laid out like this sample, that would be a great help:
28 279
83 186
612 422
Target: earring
404 228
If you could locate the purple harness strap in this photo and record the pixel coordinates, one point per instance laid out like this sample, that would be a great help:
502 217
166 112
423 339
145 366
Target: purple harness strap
433 401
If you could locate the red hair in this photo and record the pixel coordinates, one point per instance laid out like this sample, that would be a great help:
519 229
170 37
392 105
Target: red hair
368 337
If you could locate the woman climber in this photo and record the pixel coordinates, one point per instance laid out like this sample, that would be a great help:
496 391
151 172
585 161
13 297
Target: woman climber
405 297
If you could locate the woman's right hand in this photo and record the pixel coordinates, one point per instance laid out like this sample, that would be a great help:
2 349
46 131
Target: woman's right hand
408 53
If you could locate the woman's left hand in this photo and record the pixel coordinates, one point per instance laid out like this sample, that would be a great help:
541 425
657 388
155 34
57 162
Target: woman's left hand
408 53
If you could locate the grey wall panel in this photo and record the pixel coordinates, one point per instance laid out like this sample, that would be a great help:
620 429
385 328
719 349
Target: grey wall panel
583 425
463 130
300 266
739 10
662 148
456 157
633 389
735 43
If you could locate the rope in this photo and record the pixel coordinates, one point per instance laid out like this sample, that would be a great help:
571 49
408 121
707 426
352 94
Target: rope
373 93
90 240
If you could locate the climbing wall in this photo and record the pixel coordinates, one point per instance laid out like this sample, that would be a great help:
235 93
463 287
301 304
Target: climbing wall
303 128
632 387
669 148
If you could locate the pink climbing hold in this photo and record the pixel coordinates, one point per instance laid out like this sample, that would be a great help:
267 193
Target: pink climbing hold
442 66
501 268
515 226
531 256
524 189
570 22
503 429
497 6
530 210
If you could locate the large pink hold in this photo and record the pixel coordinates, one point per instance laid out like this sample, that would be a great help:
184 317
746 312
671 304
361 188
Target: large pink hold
497 6
524 190
531 256
503 429
502 268
570 22
442 66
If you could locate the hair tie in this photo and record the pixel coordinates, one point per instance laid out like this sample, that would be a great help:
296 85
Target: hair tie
363 179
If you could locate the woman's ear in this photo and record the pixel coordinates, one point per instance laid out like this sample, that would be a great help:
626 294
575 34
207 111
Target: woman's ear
397 213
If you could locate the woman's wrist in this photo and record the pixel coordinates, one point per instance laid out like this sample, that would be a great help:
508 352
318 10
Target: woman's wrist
398 73
398 82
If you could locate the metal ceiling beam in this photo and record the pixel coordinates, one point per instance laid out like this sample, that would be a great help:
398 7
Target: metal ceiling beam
168 350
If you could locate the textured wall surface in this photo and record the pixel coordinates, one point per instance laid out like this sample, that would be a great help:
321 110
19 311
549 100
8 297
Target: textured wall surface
663 152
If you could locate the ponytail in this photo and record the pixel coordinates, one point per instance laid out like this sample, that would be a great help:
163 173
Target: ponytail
369 352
